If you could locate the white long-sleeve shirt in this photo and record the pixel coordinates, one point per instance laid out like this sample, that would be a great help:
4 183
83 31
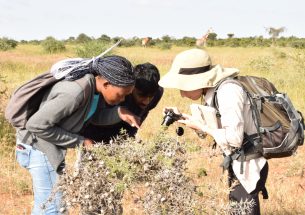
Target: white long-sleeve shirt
236 119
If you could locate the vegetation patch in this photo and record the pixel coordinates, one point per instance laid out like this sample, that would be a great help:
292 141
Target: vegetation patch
103 174
6 44
51 45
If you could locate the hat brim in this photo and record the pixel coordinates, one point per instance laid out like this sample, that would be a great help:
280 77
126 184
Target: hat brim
196 81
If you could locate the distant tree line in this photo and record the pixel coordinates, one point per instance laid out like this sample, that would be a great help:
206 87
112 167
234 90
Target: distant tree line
86 45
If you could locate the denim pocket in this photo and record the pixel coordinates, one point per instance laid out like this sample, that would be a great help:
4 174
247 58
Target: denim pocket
23 155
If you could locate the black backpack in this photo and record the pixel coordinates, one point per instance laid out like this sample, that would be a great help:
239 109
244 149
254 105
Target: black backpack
280 127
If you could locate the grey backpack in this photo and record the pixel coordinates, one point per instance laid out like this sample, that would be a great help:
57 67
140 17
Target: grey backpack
280 127
26 100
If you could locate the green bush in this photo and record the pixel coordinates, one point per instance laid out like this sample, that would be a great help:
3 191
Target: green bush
186 41
165 45
35 42
104 38
166 39
6 44
92 48
129 43
51 45
298 44
83 38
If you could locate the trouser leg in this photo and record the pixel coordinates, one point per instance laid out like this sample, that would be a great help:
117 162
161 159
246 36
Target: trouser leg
239 194
43 177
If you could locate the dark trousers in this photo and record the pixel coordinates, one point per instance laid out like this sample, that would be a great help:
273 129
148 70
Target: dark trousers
239 193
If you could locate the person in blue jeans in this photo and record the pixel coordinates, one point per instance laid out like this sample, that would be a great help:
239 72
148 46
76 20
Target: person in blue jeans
64 111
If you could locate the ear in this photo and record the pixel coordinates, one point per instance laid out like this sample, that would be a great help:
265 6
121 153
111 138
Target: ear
106 84
102 81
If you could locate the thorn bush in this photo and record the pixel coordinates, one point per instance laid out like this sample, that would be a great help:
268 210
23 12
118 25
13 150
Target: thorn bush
98 182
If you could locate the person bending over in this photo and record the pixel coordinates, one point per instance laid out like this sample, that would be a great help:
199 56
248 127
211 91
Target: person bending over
130 114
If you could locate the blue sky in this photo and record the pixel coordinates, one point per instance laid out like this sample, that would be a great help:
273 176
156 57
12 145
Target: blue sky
37 19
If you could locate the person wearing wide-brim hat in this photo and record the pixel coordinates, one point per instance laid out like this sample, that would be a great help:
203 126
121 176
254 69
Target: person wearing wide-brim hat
194 75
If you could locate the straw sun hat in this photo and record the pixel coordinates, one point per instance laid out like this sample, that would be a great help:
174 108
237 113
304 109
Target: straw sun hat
192 69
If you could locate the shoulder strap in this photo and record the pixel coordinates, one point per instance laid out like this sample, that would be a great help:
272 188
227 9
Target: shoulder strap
214 102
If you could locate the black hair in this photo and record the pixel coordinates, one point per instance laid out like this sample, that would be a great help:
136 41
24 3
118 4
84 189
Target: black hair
147 78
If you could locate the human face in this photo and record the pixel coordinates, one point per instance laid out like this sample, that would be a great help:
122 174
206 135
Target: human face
113 95
141 100
194 94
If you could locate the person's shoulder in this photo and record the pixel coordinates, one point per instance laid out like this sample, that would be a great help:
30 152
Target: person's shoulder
230 86
73 88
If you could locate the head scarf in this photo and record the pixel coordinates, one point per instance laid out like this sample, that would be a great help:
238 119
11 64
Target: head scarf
115 69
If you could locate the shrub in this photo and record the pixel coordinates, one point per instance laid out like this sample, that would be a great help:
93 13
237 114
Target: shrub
186 41
91 49
83 38
298 44
35 42
165 45
104 38
6 44
166 39
128 43
51 45
104 173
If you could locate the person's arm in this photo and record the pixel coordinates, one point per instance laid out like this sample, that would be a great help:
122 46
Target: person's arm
44 123
107 115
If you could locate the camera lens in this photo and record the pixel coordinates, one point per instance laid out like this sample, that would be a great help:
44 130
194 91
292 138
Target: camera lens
179 131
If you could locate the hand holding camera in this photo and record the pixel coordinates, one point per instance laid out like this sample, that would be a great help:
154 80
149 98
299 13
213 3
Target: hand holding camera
171 115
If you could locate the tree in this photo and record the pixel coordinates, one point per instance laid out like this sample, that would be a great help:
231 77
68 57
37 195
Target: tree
104 38
51 45
6 44
70 39
166 39
230 35
83 38
212 36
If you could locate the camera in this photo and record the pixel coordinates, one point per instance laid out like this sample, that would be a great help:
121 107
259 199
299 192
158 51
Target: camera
170 117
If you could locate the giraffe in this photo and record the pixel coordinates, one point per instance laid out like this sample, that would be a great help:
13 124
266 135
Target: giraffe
145 41
275 32
203 40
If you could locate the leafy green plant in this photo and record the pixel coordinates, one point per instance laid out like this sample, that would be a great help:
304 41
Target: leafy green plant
83 38
92 48
51 45
6 44
165 45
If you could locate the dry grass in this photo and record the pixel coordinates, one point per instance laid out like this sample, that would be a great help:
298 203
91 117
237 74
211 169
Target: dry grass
283 66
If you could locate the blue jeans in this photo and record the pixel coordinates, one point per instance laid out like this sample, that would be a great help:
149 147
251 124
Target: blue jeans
43 177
